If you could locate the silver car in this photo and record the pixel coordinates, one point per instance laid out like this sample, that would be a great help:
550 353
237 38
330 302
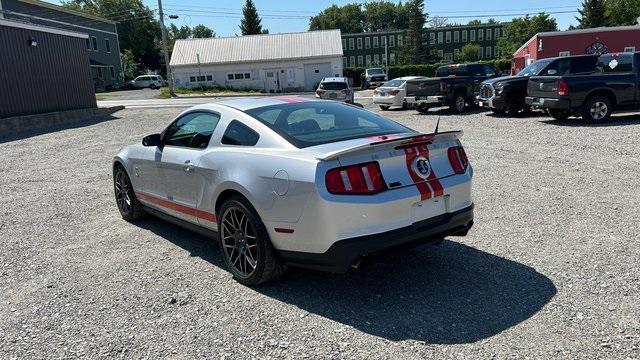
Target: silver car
393 93
148 81
335 88
284 181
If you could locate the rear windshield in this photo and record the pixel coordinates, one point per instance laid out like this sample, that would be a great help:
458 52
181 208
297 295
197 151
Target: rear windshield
452 70
394 83
375 72
318 122
333 86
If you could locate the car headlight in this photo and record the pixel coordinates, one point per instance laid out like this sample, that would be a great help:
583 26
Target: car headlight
498 87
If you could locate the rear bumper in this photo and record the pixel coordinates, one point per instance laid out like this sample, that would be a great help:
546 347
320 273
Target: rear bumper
429 100
344 253
548 103
388 100
495 102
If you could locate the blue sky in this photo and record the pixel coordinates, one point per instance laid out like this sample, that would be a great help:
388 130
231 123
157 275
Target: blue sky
293 15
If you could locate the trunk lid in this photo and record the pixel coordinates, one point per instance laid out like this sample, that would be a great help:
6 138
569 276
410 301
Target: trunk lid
424 87
543 86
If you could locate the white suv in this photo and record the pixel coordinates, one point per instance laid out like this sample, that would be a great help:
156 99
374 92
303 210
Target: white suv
148 81
335 88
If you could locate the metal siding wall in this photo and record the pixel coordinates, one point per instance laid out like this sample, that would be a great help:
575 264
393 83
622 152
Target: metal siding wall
52 76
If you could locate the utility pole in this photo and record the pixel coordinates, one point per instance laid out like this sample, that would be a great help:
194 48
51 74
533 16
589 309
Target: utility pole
165 49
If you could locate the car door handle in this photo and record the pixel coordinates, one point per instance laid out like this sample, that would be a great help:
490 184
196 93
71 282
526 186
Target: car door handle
188 166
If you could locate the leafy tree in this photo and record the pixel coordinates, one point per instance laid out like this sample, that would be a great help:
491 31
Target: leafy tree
521 29
593 14
384 15
469 53
251 23
348 18
622 12
415 50
200 32
475 22
174 33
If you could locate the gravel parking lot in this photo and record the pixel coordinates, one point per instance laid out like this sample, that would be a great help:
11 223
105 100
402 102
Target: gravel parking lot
550 270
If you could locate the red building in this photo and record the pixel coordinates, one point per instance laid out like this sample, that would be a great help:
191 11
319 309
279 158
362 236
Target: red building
576 42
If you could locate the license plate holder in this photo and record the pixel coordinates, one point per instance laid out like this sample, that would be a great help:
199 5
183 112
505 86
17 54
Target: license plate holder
427 209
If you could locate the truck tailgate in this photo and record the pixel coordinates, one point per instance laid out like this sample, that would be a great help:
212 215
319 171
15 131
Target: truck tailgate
543 86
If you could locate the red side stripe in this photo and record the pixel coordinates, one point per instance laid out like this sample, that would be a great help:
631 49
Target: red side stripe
177 207
410 156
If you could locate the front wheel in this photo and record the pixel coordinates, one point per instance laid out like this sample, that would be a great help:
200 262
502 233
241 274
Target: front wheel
596 109
516 106
245 244
128 204
459 103
559 114
153 86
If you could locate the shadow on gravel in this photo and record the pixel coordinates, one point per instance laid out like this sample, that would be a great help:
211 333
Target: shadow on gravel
29 134
447 294
620 120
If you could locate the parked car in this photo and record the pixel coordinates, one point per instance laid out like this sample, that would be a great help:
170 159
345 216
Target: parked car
393 93
507 93
292 181
455 85
335 88
148 81
614 86
373 77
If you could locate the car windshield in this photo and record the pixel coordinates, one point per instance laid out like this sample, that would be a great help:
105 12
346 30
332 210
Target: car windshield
535 68
333 85
375 72
394 83
318 122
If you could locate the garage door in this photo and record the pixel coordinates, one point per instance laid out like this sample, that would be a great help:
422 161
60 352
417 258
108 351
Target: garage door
313 74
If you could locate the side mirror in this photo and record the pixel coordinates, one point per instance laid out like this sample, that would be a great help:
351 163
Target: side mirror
152 140
552 72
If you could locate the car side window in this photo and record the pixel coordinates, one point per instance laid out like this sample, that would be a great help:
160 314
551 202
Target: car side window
239 134
489 71
610 63
583 64
193 130
477 70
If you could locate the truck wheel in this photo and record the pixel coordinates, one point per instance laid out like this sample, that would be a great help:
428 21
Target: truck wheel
597 109
459 103
516 106
559 114
422 108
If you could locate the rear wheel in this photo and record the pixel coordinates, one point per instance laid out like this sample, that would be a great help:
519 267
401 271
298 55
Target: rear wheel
153 86
559 114
459 103
128 204
385 107
245 244
597 109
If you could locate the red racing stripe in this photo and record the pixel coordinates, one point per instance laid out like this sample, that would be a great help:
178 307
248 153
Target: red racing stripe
438 190
177 207
410 155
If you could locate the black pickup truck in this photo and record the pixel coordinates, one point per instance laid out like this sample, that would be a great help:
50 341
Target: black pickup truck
614 86
455 86
507 93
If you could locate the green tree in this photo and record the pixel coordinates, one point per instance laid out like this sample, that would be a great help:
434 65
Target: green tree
474 22
593 14
623 12
469 53
415 50
384 15
521 29
200 32
251 23
348 18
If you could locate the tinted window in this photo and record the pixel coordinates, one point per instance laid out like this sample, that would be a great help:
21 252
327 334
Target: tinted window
610 63
584 64
333 86
193 130
452 70
239 134
375 72
315 123
489 71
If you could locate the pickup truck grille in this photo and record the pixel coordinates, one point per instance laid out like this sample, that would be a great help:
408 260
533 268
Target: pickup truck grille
486 91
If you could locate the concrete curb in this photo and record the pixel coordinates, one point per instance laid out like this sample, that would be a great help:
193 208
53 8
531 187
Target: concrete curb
19 124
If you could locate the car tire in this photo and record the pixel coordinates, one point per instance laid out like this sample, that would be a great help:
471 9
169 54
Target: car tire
559 114
458 103
422 108
244 240
385 107
597 109
128 205
515 106
153 86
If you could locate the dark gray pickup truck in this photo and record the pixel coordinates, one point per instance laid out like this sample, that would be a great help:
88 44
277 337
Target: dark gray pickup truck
614 86
455 86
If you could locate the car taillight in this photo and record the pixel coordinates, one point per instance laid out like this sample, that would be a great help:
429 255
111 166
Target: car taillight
319 92
563 88
360 179
394 92
458 159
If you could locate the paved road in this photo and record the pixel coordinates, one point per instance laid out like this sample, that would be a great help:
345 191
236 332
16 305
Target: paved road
550 269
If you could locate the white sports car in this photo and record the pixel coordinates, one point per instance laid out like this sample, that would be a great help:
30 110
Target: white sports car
292 181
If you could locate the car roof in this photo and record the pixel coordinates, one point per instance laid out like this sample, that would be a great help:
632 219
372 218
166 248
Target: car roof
335 79
408 78
249 103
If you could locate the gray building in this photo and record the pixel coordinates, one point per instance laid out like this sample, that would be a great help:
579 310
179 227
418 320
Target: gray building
43 70
101 44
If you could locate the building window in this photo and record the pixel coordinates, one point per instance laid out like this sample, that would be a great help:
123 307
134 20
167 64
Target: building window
359 42
481 52
376 43
488 32
488 52
193 78
440 54
376 58
344 61
107 45
368 60
464 35
448 37
100 73
629 49
201 77
400 40
352 61
351 47
209 77
94 41
88 44
432 38
384 60
291 74
235 76
564 53
440 37
392 58
344 44
383 41
360 60
456 36
113 72
480 35
367 43
496 33
392 41
448 57
472 35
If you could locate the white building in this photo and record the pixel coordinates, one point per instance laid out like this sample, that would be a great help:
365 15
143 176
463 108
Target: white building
278 62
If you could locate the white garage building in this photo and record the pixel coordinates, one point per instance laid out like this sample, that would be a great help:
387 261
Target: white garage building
279 62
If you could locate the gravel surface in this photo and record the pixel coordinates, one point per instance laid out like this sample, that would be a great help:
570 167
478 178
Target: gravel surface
550 270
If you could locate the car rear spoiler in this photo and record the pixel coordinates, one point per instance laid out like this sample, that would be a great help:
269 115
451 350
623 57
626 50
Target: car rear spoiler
393 141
